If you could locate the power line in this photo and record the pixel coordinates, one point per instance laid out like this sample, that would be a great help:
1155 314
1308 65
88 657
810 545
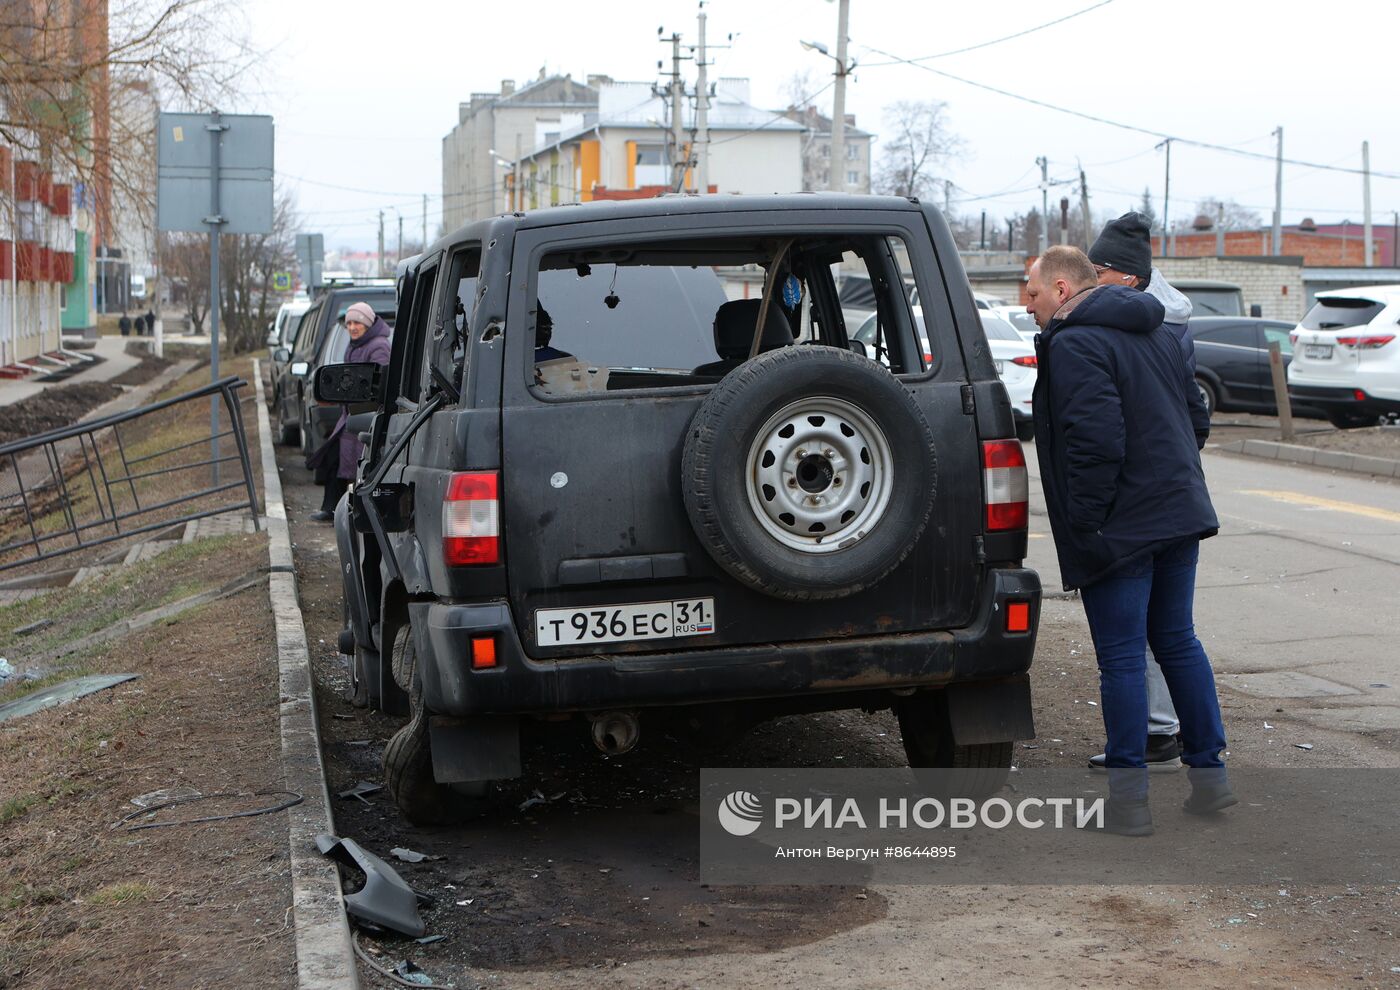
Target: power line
985 44
1129 127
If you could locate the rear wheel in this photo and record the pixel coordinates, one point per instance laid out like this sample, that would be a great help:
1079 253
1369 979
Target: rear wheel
982 768
1351 420
1208 395
408 774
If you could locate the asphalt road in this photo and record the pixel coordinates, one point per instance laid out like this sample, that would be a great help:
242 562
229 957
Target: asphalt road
1297 595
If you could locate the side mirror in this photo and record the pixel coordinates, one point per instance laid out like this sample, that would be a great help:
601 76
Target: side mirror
1256 310
300 368
282 355
858 347
350 383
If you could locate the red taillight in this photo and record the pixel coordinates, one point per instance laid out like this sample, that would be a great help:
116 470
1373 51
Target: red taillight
483 652
1293 338
1359 395
1018 617
1366 343
1006 486
1025 360
471 520
928 360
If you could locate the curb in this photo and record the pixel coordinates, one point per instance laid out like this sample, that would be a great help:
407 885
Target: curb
1336 460
325 954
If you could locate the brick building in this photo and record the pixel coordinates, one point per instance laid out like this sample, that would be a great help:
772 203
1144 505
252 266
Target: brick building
1327 245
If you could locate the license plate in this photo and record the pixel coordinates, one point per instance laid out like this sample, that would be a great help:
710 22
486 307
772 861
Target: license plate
1000 366
1322 352
625 623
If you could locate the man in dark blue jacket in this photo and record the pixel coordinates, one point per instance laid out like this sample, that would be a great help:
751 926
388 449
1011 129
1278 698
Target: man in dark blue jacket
1128 507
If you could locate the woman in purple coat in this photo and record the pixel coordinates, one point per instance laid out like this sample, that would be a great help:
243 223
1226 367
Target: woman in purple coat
335 461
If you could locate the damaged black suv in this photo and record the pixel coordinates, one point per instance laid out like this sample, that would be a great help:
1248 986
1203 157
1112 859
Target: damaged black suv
630 468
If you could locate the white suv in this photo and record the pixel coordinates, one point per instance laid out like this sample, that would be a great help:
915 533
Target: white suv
1346 355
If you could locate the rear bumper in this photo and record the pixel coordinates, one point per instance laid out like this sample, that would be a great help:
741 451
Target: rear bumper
982 650
1342 399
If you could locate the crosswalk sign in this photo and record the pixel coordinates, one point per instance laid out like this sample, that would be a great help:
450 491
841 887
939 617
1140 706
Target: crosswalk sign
282 281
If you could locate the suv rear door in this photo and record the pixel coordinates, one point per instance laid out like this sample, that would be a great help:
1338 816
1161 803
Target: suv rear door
592 505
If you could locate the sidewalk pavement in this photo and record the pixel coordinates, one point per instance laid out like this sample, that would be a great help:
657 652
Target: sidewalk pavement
115 361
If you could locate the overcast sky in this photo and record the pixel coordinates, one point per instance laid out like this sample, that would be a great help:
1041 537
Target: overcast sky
364 92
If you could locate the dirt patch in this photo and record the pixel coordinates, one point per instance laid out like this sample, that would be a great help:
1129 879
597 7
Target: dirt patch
54 408
1375 441
150 367
180 572
83 904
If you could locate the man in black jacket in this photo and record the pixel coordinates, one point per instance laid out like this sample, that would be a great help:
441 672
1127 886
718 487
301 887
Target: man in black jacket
1128 506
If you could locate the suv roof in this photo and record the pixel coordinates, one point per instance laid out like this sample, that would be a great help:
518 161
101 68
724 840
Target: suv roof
1380 293
676 205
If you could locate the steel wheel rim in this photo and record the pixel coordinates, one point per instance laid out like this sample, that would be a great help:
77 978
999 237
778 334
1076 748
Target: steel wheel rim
819 475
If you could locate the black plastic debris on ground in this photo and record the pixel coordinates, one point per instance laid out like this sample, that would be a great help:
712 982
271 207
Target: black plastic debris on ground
384 899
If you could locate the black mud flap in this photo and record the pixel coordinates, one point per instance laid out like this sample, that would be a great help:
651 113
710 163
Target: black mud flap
990 711
466 750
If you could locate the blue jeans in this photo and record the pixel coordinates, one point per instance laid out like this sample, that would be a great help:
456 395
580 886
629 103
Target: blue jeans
1149 602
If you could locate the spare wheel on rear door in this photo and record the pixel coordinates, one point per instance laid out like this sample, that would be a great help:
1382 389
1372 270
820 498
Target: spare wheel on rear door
808 473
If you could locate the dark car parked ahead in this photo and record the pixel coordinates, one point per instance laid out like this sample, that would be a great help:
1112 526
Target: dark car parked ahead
320 339
1232 361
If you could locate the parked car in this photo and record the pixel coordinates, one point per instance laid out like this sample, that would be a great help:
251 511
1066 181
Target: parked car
617 517
1018 317
318 419
284 324
1209 298
1015 364
293 365
1232 361
1346 356
1013 358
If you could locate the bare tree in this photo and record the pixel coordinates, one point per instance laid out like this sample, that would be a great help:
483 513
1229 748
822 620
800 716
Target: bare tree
185 262
1225 213
919 145
79 81
247 266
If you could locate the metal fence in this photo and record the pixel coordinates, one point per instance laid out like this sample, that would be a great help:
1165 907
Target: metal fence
134 472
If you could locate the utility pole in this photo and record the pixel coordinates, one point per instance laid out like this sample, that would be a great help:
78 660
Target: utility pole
680 156
381 243
1366 197
1044 164
984 230
1220 229
399 254
1278 194
1010 235
1064 219
947 197
1084 208
425 221
215 220
702 108
1166 195
838 102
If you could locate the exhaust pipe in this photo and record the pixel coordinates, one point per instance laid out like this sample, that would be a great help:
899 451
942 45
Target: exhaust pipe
615 733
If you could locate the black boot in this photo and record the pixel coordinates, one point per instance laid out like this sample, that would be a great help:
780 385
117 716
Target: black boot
1210 791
